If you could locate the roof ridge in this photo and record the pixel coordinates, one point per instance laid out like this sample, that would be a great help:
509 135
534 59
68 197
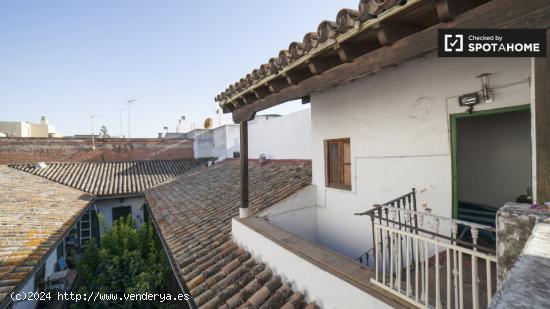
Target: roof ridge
100 162
112 178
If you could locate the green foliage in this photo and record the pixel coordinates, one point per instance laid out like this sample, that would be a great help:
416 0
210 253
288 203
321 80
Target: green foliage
125 261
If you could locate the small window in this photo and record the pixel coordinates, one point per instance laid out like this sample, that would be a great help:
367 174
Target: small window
121 212
338 163
61 250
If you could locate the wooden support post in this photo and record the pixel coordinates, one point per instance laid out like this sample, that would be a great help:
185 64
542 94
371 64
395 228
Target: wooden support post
542 124
243 210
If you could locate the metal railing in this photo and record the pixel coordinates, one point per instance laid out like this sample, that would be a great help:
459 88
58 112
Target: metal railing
414 259
406 201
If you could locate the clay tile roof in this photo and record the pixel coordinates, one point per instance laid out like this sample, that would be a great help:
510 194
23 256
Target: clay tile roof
327 32
193 214
34 213
113 178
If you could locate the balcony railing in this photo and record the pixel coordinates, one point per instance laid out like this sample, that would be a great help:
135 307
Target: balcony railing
423 258
406 201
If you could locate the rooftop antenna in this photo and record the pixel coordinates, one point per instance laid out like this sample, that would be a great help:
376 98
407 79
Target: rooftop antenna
129 102
93 138
120 110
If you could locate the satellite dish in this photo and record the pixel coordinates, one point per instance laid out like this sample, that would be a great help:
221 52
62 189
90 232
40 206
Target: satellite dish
208 123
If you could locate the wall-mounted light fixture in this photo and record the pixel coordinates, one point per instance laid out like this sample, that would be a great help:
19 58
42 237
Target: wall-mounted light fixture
485 95
469 99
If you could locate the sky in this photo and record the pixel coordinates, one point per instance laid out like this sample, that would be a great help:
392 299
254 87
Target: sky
68 60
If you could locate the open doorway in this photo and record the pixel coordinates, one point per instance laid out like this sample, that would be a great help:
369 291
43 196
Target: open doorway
491 162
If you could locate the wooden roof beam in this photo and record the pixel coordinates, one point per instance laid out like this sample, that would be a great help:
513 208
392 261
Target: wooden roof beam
296 76
249 97
349 51
389 33
238 103
227 108
277 85
447 10
323 64
262 92
494 14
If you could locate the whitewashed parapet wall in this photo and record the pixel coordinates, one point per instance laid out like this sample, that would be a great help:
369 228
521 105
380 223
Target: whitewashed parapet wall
285 137
318 283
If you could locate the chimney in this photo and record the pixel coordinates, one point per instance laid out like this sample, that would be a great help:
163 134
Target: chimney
43 120
163 133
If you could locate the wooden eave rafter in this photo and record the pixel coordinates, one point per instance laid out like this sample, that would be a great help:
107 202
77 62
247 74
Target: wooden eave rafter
326 46
494 14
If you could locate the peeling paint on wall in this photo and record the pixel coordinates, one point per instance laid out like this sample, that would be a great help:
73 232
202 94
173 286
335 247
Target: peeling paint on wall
514 225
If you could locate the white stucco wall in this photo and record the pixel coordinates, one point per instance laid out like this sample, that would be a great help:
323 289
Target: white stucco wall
289 137
39 129
327 290
105 208
203 145
232 140
49 264
285 137
219 142
296 214
398 124
28 287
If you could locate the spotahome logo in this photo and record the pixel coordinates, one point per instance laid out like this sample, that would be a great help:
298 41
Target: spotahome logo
492 43
454 42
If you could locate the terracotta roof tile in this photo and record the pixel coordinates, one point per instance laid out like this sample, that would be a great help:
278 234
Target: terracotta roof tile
194 214
347 20
113 178
35 212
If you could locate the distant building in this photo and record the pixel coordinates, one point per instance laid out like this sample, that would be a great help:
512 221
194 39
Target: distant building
289 136
28 129
183 126
183 129
84 136
221 142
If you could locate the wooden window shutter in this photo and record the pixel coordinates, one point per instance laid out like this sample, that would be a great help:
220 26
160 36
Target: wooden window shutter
338 163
